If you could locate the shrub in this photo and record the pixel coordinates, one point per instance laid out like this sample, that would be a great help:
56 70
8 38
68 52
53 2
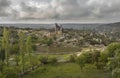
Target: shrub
11 73
100 65
72 58
34 61
112 48
88 56
2 75
44 59
81 60
116 73
1 66
53 60
95 56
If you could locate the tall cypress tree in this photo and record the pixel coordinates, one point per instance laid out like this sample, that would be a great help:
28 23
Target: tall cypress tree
29 47
22 49
5 44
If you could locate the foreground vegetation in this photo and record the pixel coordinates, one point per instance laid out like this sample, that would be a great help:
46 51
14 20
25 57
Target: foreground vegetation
68 70
18 58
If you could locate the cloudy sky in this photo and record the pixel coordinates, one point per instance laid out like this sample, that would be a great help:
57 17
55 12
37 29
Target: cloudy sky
38 11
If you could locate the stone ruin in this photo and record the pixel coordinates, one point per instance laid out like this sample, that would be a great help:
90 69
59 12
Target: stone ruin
58 28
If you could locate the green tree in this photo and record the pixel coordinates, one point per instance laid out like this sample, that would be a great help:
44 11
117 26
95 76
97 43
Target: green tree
29 49
116 73
11 72
81 60
72 58
49 42
95 56
111 48
53 60
43 59
114 59
15 51
22 49
2 55
88 56
103 60
103 57
114 65
6 44
1 67
2 75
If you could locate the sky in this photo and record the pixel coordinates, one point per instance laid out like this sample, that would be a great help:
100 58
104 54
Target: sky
44 11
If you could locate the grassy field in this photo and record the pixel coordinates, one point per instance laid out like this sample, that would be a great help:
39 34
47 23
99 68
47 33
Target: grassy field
68 70
57 49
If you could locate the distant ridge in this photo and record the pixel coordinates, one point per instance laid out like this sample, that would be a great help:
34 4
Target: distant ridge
114 24
65 25
97 26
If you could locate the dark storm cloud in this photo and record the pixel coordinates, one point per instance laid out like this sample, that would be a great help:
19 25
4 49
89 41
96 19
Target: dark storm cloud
56 9
60 10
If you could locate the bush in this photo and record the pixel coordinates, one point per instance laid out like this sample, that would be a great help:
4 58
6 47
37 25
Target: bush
44 59
95 56
88 56
72 58
100 65
34 61
112 48
1 66
116 73
2 54
53 60
11 73
2 75
81 60
103 57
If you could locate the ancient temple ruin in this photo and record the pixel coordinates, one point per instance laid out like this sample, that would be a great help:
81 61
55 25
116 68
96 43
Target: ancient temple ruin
58 28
